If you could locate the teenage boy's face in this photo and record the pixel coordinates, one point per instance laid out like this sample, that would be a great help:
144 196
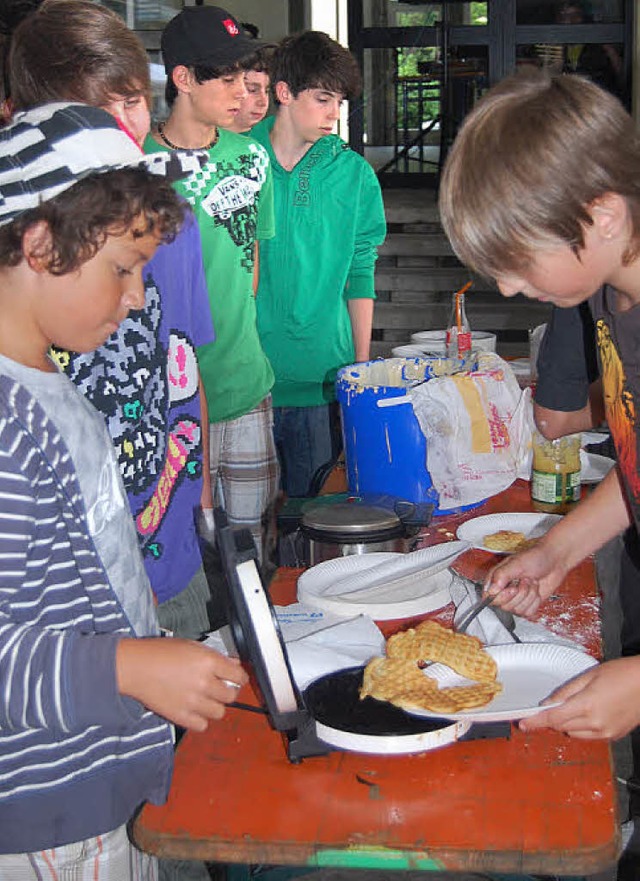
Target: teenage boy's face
256 103
217 102
80 310
133 113
314 113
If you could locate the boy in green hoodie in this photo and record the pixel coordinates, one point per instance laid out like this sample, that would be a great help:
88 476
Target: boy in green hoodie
316 291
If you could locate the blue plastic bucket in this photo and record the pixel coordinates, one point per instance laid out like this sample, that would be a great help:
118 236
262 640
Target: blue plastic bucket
385 449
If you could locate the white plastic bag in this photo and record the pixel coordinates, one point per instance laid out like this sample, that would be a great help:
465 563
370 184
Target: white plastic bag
478 431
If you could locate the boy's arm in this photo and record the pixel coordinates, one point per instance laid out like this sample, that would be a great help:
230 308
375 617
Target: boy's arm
361 317
370 233
206 497
359 291
50 677
256 268
556 423
568 395
202 332
181 680
602 703
522 582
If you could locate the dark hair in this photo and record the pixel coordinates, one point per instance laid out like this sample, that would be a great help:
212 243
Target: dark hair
251 29
260 61
202 74
75 50
81 218
312 60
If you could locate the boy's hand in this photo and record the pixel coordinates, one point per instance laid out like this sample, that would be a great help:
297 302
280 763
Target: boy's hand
525 580
184 681
604 702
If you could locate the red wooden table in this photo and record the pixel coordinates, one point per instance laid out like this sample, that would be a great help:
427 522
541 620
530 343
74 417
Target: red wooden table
537 803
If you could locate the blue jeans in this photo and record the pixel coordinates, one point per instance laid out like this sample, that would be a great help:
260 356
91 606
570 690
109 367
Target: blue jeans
305 441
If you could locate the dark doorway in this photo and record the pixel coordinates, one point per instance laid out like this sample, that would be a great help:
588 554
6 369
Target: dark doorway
426 64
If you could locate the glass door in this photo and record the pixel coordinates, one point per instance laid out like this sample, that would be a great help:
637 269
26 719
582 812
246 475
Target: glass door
588 37
426 64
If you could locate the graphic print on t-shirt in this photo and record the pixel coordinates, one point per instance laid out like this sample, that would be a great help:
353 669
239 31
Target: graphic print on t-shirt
230 201
133 380
620 410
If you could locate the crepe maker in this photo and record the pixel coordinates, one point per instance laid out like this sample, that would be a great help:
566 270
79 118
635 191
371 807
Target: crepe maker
329 713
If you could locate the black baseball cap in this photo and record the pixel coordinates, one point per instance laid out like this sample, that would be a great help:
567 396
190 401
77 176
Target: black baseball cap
205 35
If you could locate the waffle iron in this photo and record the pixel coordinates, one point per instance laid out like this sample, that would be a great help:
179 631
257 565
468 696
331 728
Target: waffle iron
328 715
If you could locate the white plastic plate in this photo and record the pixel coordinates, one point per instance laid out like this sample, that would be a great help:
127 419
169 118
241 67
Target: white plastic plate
384 586
528 672
532 525
594 467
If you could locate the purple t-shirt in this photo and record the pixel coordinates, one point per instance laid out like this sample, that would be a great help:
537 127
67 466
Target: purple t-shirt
144 380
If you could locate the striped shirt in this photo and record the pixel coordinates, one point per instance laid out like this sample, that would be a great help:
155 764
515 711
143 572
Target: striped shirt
76 757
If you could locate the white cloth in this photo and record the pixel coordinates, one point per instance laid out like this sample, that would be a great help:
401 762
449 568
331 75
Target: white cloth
317 642
331 644
489 629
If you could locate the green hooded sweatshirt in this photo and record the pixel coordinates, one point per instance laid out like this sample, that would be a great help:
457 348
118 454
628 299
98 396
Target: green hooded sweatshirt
329 223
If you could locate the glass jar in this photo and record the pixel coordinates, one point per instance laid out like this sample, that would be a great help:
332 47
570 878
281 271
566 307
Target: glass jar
555 476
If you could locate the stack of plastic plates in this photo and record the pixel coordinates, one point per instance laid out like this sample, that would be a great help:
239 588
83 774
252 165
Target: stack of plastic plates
384 586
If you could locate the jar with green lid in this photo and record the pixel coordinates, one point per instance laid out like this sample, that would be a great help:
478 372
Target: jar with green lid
555 476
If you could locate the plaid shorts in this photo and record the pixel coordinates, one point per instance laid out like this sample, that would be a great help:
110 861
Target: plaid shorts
108 857
245 474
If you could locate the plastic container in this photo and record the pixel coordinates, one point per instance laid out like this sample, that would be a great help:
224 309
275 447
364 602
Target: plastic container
427 339
555 475
385 449
412 351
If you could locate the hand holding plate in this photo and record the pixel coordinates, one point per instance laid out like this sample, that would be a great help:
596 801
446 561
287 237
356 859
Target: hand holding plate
603 702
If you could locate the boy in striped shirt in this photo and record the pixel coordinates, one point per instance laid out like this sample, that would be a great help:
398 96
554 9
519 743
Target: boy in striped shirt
86 683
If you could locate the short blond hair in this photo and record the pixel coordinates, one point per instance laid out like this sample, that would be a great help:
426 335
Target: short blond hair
529 160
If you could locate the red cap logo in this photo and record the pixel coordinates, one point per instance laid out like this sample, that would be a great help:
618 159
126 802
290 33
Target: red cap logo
231 26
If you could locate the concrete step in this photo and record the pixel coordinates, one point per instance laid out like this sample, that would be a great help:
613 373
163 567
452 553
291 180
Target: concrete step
406 205
437 278
416 244
496 317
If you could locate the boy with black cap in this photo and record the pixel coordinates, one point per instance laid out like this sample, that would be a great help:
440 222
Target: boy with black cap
85 680
204 49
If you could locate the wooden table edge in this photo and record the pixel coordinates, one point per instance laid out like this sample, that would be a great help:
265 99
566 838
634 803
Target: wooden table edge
381 858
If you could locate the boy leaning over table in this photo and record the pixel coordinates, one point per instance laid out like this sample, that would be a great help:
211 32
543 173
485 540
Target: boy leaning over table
87 683
541 191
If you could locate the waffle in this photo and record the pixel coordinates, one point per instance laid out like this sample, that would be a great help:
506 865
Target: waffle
504 540
431 641
385 678
401 683
449 700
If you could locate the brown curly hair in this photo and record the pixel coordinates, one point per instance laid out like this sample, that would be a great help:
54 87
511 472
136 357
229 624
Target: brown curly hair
82 218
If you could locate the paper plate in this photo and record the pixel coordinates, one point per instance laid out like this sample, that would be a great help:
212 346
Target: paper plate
528 672
594 467
384 586
532 525
594 437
